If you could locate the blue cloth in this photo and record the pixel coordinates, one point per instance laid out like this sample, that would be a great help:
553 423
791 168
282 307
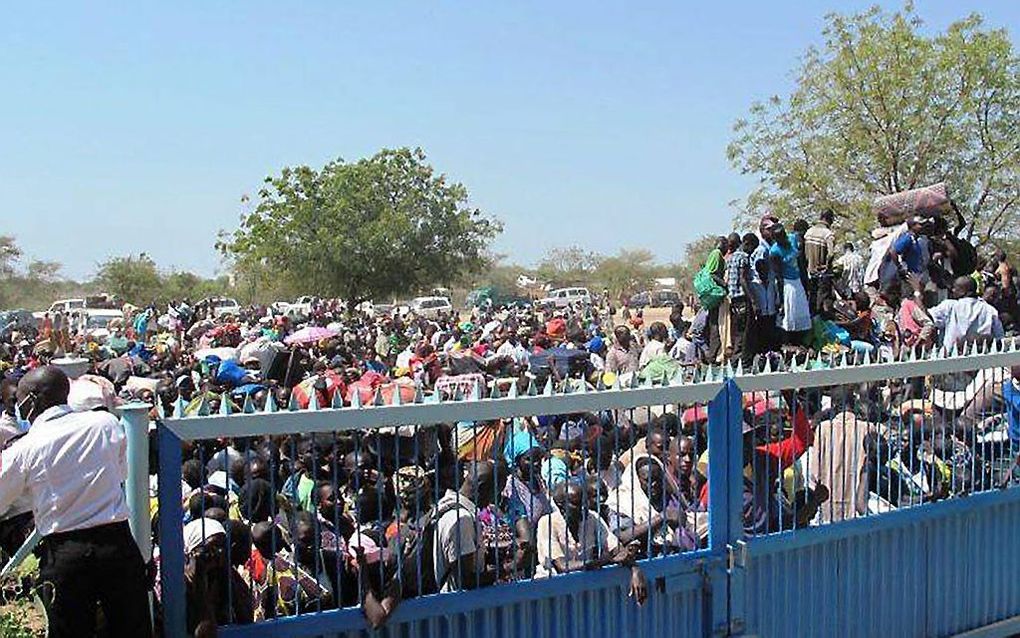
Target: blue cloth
789 258
230 373
554 471
248 388
765 293
909 249
518 443
1012 398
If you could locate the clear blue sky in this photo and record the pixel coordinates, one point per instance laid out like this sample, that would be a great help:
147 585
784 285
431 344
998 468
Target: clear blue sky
128 128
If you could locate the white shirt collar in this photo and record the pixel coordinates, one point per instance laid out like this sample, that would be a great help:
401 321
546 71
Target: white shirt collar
53 413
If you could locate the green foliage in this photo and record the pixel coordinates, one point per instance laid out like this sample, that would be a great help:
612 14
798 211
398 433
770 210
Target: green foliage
33 286
133 279
630 271
373 228
15 621
571 265
882 107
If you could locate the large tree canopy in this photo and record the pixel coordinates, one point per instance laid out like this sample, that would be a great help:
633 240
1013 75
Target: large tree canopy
377 227
883 107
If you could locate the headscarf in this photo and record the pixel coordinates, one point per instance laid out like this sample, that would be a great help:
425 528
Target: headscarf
409 479
520 441
198 532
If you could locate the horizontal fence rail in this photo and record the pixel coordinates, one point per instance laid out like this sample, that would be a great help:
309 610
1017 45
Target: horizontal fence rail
290 515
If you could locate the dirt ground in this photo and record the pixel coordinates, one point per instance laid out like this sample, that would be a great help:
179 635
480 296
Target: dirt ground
22 620
651 315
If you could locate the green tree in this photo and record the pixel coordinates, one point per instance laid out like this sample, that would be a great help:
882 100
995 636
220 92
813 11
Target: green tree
135 279
882 107
378 227
629 271
570 265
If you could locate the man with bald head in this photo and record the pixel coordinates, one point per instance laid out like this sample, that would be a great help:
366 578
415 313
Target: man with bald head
73 465
964 317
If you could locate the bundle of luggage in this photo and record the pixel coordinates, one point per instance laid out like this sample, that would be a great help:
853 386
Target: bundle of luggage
927 201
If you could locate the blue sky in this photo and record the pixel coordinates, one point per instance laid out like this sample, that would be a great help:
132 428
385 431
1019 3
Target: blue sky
130 128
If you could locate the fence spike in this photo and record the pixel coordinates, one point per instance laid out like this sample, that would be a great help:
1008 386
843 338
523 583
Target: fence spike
1012 345
179 408
225 406
616 383
458 394
729 370
313 400
677 378
548 389
532 390
356 398
514 390
378 399
203 406
843 362
740 367
993 348
867 358
292 405
160 413
952 351
600 384
396 396
271 406
635 381
249 405
582 386
768 365
495 394
476 391
338 400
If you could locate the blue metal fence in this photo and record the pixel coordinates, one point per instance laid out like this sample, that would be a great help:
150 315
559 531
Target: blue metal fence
919 568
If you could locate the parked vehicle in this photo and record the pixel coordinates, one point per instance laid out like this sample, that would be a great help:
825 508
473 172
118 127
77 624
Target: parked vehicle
431 307
222 306
21 320
305 305
563 297
654 299
95 322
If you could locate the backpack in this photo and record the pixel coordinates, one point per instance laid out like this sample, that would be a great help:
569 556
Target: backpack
710 294
423 545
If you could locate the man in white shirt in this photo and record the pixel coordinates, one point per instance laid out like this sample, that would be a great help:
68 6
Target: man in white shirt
964 317
457 554
73 466
573 538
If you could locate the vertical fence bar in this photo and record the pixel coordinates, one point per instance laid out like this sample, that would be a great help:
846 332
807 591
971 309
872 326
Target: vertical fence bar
135 419
171 534
725 496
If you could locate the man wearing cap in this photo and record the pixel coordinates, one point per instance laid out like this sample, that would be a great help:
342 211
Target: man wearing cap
73 465
910 250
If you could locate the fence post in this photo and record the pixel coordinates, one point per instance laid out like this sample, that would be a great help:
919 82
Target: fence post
725 495
135 419
171 534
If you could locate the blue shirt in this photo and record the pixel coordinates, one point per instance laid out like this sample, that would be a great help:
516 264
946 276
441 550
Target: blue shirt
789 257
764 291
1011 395
908 248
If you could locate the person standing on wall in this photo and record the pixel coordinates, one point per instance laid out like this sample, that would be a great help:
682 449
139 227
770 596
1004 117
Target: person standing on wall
73 466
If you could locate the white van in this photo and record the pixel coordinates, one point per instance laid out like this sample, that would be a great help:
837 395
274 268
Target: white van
431 307
563 297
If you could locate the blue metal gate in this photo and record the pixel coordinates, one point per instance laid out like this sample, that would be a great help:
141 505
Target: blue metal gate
938 569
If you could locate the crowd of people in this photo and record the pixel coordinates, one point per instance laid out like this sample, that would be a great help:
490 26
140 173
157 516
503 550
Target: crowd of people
277 526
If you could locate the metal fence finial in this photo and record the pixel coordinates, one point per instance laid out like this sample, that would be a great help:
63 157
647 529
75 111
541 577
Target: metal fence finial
313 400
271 406
532 390
514 390
378 400
476 391
396 396
548 389
356 399
203 406
249 405
419 393
338 400
179 407
495 394
292 404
